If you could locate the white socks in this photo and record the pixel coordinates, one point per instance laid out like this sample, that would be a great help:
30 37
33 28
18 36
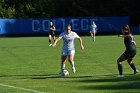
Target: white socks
93 39
72 67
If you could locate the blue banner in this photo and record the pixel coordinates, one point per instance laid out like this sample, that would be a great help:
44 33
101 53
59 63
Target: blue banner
41 25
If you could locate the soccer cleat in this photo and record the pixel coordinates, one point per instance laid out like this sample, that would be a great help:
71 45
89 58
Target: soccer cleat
50 45
120 76
135 72
61 71
73 69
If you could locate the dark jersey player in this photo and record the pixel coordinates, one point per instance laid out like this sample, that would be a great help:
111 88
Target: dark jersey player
51 33
130 51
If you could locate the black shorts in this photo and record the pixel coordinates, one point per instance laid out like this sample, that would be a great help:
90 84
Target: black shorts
130 54
52 33
127 55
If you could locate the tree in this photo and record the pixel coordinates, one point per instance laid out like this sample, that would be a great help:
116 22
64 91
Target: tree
27 8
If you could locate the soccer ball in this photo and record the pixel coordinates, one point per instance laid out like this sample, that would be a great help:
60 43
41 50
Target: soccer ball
65 73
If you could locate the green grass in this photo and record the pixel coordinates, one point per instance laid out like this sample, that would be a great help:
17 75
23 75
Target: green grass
29 63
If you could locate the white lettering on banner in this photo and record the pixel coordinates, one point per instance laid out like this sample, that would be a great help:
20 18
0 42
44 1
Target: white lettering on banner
40 25
45 25
84 24
35 26
77 24
61 24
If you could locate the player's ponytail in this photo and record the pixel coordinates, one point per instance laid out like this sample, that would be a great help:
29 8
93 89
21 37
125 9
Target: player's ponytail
128 28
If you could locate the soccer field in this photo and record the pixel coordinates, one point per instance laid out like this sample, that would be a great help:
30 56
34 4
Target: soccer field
29 65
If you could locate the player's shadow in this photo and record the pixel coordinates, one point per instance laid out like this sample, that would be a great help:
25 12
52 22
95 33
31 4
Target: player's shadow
31 76
59 76
112 83
137 47
71 76
45 76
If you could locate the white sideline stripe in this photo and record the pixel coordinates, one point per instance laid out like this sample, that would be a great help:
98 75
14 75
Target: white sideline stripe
35 91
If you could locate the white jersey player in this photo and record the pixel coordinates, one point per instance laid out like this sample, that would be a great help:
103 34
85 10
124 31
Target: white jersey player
68 48
93 30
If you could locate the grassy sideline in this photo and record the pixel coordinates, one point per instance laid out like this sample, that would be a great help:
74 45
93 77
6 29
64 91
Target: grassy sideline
29 65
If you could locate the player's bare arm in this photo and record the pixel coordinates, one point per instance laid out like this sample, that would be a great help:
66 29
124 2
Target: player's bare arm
81 43
55 42
126 36
52 28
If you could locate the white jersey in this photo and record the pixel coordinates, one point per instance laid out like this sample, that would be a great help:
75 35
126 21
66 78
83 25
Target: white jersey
68 40
93 28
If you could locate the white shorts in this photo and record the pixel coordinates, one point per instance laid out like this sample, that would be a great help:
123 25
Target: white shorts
93 32
68 52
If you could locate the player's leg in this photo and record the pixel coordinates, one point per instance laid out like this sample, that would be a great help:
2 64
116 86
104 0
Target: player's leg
94 34
71 60
63 61
54 37
50 39
132 65
91 34
119 63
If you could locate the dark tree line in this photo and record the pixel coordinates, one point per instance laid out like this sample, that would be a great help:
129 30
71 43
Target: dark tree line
69 8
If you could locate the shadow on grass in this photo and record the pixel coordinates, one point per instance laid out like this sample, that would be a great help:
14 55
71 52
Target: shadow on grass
112 83
31 76
70 77
45 76
86 79
59 76
127 92
134 85
41 76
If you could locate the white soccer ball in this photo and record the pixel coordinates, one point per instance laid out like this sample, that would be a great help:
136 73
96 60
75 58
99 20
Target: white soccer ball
65 73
